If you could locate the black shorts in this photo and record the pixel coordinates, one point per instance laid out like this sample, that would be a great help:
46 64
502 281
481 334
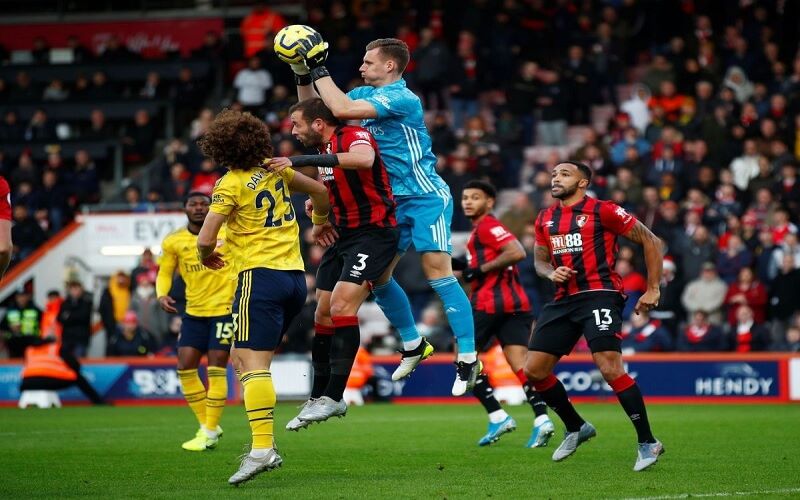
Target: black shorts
206 334
595 315
359 255
509 328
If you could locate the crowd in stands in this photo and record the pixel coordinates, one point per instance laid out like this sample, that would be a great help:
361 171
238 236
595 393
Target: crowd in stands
688 114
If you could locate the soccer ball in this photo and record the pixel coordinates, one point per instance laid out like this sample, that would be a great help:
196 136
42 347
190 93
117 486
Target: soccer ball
286 42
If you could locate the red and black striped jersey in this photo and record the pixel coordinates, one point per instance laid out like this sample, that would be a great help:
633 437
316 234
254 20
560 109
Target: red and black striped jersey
359 197
498 291
5 199
584 237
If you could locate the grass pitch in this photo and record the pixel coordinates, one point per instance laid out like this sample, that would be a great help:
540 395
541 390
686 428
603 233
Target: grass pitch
396 451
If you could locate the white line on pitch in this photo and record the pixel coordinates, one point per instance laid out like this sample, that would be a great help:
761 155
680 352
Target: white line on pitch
720 494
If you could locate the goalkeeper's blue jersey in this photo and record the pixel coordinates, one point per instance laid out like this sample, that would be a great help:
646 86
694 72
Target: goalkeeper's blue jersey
404 143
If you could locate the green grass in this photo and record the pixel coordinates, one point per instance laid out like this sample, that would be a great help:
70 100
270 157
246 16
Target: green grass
394 451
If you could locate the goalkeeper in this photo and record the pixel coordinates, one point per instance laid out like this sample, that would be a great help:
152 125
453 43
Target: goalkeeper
394 116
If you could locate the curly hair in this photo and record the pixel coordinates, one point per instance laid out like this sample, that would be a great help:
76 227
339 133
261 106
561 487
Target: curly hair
237 140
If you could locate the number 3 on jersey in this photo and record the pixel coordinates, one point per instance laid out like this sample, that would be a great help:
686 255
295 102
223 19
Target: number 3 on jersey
266 194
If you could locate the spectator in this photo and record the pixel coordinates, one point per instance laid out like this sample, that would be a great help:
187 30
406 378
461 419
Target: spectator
139 140
115 51
153 87
706 294
252 84
75 317
98 129
83 182
636 107
792 340
152 319
521 96
80 54
129 339
11 130
734 257
147 266
701 335
115 301
55 91
781 226
433 62
187 94
736 80
746 335
580 83
465 82
205 179
644 334
23 89
747 291
20 322
26 234
699 249
745 167
101 89
260 25
552 103
40 128
670 311
634 285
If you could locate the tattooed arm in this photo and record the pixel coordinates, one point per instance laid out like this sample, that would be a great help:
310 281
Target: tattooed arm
545 269
653 258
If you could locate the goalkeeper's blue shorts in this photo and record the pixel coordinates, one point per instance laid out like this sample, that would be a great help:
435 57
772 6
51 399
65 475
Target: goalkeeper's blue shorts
424 220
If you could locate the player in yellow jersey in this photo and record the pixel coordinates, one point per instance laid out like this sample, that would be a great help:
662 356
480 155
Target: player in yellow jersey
207 327
263 245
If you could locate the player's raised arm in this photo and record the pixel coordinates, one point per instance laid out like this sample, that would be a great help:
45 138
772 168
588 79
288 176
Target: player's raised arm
653 259
359 156
315 51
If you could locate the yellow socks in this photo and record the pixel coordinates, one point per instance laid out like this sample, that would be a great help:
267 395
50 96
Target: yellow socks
217 393
259 401
195 393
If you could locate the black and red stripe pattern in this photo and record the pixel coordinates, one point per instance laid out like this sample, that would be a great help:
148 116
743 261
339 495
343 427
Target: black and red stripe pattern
583 237
361 197
498 291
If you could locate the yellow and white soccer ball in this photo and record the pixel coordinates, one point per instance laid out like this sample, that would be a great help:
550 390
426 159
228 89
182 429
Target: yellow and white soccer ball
286 42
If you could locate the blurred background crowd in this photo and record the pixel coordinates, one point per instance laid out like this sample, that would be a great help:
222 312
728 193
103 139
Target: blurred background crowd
687 111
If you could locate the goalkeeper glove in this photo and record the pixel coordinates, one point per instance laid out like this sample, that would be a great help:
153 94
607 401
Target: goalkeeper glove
314 51
301 74
472 274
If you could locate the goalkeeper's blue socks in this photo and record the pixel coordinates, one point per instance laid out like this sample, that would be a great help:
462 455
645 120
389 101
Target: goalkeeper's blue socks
459 314
394 303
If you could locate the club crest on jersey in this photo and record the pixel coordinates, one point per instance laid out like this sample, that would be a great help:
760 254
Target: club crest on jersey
581 220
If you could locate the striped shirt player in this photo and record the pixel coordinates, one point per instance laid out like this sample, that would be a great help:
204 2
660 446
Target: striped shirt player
5 225
359 198
584 238
394 115
500 291
501 309
362 210
576 246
